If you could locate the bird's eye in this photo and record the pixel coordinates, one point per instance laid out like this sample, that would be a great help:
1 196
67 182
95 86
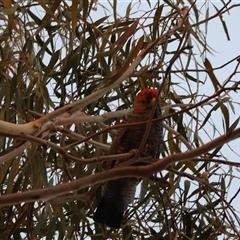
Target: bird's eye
142 101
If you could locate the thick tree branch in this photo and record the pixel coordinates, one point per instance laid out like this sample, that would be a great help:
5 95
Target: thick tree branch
143 172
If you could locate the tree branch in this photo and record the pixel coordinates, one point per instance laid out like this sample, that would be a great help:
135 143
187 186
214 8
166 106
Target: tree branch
115 173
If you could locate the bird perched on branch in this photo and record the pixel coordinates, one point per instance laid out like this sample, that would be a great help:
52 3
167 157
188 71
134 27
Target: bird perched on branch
118 194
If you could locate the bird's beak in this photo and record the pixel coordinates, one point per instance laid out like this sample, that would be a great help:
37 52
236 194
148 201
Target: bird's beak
153 101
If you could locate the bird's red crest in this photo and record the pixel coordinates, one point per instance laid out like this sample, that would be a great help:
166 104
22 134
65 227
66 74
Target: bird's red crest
148 93
144 98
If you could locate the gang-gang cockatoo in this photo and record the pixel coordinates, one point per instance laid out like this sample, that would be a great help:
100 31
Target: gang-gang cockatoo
118 194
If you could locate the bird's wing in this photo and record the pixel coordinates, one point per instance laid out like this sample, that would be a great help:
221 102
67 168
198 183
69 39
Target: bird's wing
121 132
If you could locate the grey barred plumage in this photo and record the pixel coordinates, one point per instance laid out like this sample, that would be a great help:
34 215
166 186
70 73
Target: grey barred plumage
118 194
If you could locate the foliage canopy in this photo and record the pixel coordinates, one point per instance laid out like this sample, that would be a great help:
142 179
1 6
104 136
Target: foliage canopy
70 70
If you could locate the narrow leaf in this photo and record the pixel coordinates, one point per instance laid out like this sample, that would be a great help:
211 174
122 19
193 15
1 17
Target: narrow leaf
212 76
129 32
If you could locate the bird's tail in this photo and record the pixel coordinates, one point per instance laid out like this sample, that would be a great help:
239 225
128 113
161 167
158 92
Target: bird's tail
107 214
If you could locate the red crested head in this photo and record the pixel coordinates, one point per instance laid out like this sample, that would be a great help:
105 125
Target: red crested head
144 99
